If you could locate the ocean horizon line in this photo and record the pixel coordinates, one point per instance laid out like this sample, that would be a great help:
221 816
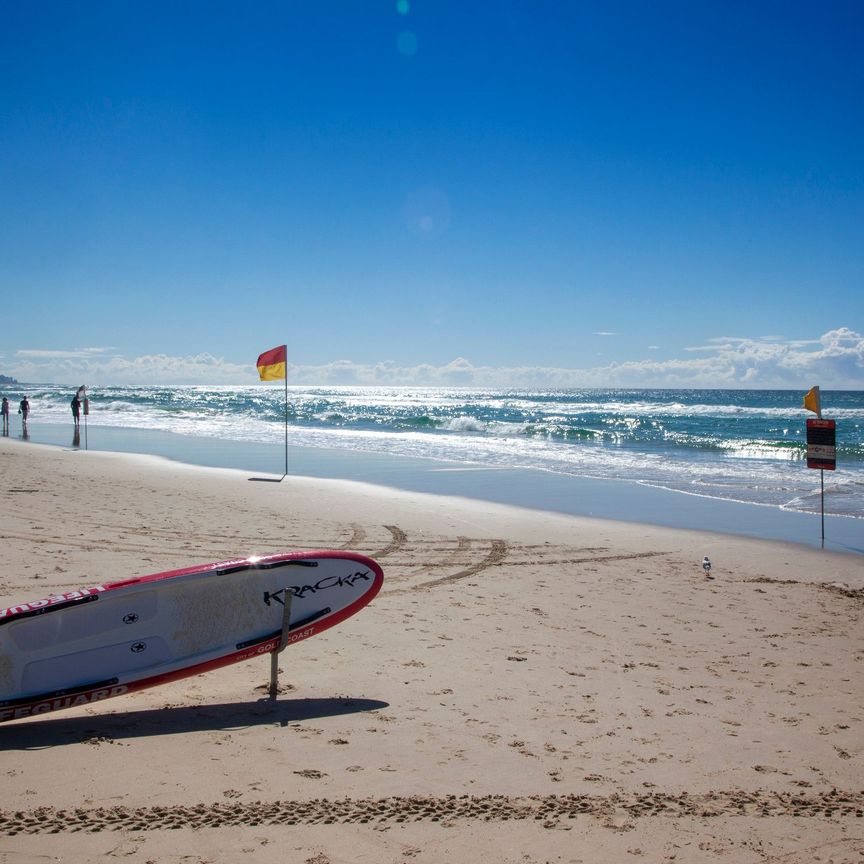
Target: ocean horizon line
469 388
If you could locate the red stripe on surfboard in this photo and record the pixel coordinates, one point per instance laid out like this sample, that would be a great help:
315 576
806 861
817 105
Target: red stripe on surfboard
24 609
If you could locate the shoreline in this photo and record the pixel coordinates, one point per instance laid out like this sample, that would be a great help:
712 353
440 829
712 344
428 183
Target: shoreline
526 684
617 500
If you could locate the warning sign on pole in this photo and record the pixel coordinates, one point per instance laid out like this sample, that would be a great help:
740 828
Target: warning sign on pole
822 444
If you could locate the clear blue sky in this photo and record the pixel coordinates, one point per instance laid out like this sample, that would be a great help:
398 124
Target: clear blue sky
493 192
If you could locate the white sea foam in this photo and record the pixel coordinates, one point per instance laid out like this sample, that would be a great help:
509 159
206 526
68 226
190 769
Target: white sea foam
743 452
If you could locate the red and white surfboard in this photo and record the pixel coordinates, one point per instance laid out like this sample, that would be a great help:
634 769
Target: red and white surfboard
84 646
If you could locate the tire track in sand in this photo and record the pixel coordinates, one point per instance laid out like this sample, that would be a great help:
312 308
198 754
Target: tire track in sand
548 809
398 541
497 553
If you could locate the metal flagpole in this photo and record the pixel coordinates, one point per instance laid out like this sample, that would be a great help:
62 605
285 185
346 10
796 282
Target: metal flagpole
286 410
821 470
821 444
86 408
822 484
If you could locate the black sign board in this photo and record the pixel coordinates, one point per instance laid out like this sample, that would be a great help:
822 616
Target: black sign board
821 444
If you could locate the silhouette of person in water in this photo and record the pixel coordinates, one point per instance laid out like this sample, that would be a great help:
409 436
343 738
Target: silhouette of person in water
5 410
76 409
24 411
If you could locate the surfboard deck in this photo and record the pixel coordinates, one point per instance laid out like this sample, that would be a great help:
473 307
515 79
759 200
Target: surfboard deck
88 645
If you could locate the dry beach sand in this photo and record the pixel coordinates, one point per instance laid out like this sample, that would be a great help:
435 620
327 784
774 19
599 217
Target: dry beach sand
526 688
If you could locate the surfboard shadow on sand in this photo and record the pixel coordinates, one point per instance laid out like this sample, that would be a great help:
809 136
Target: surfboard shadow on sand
60 731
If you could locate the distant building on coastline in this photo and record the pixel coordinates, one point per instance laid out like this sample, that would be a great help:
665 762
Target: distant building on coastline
6 381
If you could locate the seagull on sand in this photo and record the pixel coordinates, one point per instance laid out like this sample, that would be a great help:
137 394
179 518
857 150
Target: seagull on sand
706 566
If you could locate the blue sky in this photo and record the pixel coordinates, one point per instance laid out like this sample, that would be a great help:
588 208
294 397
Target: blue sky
508 193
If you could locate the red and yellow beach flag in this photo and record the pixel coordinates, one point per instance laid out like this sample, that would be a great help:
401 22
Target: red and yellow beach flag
271 364
813 401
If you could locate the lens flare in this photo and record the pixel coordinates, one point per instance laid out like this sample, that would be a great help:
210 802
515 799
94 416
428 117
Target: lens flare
406 44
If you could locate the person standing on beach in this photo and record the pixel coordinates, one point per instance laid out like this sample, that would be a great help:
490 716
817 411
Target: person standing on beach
5 410
24 411
76 409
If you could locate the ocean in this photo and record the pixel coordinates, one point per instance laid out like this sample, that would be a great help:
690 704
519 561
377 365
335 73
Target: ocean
744 446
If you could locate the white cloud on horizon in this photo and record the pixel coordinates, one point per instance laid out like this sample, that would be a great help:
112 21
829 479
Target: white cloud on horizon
72 367
54 354
718 343
835 361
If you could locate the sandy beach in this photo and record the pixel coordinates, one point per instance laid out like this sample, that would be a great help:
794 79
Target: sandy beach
527 687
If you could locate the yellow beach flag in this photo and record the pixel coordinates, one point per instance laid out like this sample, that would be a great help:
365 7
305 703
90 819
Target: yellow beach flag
813 402
271 364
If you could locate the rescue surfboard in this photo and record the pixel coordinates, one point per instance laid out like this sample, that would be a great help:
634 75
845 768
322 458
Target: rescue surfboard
83 646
